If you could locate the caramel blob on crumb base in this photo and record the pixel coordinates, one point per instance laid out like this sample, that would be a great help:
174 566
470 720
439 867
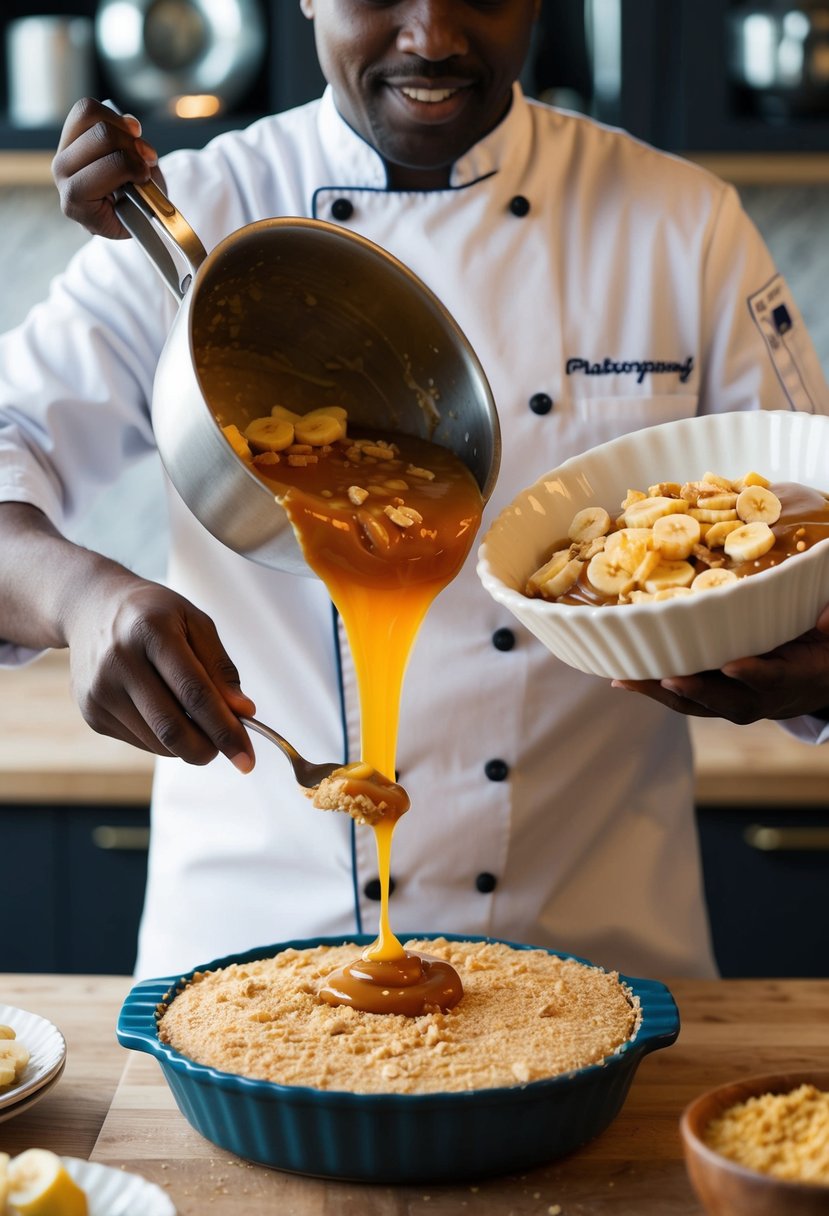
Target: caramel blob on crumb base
412 985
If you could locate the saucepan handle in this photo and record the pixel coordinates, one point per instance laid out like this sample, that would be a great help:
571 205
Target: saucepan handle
161 231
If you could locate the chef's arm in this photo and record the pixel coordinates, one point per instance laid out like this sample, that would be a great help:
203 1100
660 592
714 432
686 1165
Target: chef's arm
147 666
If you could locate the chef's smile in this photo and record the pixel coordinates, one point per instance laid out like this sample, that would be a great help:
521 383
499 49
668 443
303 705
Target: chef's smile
430 103
422 82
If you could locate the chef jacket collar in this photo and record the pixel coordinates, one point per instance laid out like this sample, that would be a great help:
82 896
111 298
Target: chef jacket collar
354 162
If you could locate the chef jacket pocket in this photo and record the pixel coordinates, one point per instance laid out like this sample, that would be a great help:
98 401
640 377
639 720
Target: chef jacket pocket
604 418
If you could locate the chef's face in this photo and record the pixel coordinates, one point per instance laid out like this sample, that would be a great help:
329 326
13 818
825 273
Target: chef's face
421 80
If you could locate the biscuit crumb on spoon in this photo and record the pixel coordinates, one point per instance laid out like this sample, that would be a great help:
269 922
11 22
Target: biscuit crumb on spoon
362 792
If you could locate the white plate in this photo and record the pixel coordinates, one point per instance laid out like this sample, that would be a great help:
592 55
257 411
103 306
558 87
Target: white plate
112 1192
47 1051
17 1108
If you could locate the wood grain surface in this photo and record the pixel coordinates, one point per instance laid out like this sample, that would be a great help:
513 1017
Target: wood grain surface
730 1029
49 754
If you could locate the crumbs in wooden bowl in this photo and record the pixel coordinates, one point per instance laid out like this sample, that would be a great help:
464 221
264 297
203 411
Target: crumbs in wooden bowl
525 1015
785 1135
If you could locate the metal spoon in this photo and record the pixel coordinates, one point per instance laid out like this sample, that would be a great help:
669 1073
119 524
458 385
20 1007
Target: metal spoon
307 774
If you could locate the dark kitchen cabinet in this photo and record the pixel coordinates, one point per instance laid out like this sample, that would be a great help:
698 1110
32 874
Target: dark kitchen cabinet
767 883
690 99
675 85
71 888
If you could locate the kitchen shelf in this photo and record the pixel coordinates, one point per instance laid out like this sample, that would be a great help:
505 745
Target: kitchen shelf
49 755
26 155
28 167
675 92
766 168
164 134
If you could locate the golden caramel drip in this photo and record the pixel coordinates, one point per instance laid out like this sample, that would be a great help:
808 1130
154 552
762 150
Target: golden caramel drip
382 575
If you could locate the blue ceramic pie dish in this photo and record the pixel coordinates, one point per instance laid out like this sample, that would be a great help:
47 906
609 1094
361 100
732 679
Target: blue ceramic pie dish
396 1138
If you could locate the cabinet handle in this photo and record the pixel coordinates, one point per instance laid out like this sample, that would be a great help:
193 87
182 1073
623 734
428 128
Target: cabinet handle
787 840
133 840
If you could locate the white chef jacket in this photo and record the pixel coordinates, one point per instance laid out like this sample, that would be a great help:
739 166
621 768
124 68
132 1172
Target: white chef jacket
592 274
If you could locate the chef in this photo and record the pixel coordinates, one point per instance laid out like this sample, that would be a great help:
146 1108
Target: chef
605 287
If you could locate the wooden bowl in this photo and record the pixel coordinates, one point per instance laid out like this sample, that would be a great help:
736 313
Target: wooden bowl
728 1189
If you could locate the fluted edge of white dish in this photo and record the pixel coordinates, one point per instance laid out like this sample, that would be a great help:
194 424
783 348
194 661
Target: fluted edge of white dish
116 1192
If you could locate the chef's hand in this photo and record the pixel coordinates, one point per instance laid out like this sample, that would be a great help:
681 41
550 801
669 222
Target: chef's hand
99 151
785 683
149 668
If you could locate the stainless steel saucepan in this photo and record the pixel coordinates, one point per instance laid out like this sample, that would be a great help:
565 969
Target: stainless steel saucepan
301 313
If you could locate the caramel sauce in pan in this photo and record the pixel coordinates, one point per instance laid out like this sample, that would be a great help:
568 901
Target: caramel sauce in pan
804 519
382 579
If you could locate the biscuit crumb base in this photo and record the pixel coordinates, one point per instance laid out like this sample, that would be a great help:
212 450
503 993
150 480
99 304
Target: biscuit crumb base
786 1135
525 1015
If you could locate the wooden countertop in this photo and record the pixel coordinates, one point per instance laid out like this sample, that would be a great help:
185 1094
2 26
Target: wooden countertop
49 755
730 1029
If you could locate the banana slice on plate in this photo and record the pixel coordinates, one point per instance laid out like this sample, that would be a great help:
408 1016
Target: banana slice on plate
720 500
676 535
38 1184
749 542
756 504
716 534
645 513
564 579
589 523
750 479
14 1056
548 571
668 575
610 573
715 576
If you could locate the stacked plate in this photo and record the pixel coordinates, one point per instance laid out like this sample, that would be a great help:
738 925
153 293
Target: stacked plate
47 1056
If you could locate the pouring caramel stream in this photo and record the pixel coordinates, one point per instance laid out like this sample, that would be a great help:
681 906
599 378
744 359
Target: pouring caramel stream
382 577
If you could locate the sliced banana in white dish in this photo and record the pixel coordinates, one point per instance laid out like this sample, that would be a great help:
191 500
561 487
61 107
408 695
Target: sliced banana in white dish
46 1049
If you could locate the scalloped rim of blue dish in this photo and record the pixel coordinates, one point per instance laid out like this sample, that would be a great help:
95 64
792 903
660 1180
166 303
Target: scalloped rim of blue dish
137 1028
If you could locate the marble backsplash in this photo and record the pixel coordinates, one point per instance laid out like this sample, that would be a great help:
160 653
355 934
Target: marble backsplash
129 520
